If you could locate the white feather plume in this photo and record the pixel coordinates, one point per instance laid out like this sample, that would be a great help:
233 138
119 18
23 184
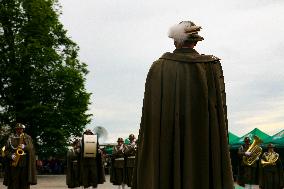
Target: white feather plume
180 32
177 32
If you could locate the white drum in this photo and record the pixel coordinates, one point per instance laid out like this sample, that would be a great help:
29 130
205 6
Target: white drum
90 146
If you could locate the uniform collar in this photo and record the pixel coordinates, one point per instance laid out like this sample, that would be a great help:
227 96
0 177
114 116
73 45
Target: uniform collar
186 50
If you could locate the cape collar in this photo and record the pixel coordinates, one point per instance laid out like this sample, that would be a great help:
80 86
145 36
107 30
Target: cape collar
186 50
188 55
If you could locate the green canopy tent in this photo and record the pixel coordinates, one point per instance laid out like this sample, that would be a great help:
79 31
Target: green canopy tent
234 159
277 139
232 137
108 150
238 142
127 141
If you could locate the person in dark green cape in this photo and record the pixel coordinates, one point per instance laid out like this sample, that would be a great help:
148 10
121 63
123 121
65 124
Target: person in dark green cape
73 167
91 168
130 151
117 176
247 174
271 170
21 162
183 137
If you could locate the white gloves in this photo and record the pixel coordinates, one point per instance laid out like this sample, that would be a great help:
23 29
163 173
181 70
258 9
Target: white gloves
247 153
23 146
13 156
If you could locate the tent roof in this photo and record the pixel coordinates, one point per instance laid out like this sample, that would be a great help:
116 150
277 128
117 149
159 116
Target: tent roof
278 135
277 139
108 150
127 141
251 134
232 137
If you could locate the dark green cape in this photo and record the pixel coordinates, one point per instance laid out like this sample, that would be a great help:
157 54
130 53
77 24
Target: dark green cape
91 169
73 169
31 160
183 137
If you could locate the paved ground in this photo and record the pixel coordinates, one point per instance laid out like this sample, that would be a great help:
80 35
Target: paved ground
58 182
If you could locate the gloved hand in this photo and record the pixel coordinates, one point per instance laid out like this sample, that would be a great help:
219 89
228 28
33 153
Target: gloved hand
247 153
13 156
23 146
77 150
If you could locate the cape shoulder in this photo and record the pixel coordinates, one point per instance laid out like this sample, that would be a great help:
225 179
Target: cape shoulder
189 57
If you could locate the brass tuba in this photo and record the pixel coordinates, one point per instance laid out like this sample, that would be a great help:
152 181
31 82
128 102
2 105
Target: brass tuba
255 150
270 159
19 151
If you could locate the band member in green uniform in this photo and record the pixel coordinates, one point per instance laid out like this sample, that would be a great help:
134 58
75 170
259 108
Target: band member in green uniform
130 152
21 162
73 167
91 168
118 164
271 170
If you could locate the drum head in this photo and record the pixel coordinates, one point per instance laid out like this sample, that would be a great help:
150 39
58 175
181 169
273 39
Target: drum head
90 145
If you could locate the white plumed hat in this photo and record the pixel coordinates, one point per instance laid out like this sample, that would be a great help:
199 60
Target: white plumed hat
185 31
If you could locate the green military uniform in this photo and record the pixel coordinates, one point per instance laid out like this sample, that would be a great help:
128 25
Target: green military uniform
73 168
91 170
130 152
246 174
118 165
24 174
271 175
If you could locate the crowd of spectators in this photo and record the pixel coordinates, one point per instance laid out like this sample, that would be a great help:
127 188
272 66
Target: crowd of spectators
50 166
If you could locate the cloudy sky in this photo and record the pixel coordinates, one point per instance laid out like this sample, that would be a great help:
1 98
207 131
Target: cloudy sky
119 40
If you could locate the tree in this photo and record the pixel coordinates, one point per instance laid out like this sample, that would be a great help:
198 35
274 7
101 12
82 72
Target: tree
42 80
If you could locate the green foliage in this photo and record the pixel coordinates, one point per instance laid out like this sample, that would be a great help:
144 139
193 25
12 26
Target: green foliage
42 80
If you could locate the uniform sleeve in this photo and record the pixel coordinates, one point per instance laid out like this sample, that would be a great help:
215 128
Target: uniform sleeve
129 150
9 151
114 151
28 143
241 151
